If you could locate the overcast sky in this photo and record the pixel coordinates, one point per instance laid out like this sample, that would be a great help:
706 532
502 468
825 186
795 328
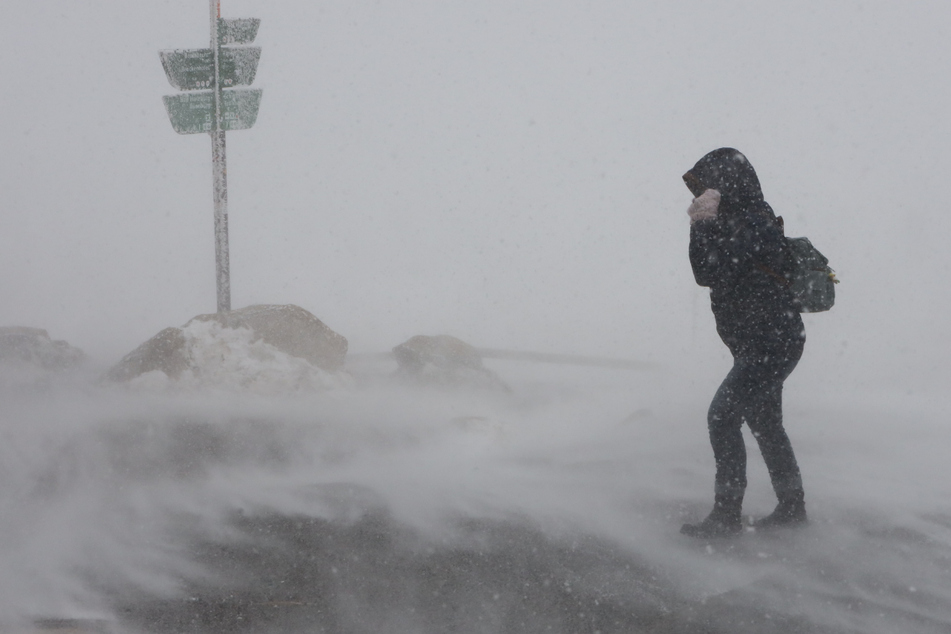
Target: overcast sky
507 172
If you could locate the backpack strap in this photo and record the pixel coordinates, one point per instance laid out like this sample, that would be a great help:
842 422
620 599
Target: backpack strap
782 279
773 274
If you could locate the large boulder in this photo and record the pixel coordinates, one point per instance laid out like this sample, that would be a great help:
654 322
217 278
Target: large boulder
165 352
268 348
291 329
443 360
30 359
33 348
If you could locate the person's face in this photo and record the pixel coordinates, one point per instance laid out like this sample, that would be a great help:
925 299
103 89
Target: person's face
693 184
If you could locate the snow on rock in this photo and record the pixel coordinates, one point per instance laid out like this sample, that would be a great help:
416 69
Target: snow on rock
265 349
444 360
291 329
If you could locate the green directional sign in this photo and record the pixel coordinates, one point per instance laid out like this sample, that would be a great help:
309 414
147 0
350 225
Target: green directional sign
194 69
193 112
214 106
237 31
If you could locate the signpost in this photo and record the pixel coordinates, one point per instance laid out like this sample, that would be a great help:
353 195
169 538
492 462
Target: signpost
215 106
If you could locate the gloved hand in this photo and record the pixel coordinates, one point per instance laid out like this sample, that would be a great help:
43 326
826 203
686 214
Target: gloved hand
704 206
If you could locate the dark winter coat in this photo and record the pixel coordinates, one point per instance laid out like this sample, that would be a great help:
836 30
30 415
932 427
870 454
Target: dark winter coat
740 255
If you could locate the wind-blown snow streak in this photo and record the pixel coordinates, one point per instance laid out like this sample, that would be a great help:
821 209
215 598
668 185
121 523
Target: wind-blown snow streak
377 509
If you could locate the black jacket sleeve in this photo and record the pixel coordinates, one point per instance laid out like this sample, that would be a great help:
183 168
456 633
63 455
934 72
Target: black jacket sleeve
705 252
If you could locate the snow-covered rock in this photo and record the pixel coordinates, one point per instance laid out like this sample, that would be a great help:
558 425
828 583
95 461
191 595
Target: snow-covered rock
444 360
269 349
291 329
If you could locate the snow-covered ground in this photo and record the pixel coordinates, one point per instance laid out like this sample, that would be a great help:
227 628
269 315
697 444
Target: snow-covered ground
381 508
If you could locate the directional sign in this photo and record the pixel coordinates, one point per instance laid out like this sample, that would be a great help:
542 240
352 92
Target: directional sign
238 31
194 69
193 112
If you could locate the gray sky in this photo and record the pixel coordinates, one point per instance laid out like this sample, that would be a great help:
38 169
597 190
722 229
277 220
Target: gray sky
505 172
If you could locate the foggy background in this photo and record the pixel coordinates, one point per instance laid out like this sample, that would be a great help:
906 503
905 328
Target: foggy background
508 173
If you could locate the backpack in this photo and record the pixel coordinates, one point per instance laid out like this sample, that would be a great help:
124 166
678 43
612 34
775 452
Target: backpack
812 281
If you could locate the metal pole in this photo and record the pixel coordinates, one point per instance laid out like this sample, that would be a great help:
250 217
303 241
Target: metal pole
220 172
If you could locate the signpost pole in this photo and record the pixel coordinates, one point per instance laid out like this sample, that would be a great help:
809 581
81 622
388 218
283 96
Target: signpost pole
220 171
214 102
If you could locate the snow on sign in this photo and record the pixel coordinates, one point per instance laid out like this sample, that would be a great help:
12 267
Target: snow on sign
216 107
239 31
193 112
194 69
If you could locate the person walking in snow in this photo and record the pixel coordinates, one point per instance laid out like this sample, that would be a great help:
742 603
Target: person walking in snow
738 250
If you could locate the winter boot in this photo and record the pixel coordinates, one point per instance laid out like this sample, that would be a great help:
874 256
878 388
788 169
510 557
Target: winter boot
790 512
724 520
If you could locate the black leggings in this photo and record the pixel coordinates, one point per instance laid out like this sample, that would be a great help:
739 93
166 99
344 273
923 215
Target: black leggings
752 393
